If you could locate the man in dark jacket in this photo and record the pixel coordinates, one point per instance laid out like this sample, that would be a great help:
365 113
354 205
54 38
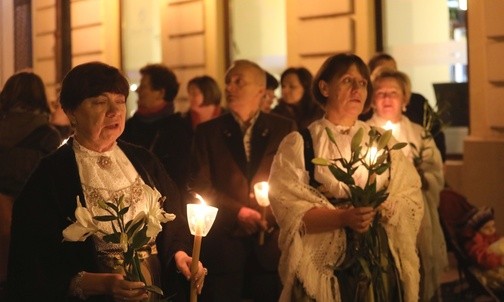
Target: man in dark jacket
230 154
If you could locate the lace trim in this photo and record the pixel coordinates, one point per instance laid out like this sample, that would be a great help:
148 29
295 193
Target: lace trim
132 194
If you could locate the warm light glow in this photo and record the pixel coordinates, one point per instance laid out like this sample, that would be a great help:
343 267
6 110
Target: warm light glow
200 198
389 126
133 87
64 142
200 217
371 156
261 190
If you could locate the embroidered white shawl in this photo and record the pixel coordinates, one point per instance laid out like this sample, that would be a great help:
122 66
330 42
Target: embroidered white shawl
311 258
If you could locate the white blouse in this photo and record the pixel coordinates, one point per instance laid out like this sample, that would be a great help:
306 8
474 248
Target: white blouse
107 176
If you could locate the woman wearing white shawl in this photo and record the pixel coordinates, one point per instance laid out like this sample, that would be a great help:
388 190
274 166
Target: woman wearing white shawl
312 236
392 91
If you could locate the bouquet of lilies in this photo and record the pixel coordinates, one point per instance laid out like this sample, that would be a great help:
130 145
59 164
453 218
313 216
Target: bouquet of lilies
374 156
131 235
367 254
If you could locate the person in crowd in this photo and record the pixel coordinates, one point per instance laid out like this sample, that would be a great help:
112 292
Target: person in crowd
297 101
93 167
308 200
269 96
204 104
154 125
392 91
204 101
25 137
415 108
230 154
59 120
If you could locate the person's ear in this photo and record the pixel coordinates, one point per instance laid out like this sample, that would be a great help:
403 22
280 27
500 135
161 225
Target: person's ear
71 118
323 88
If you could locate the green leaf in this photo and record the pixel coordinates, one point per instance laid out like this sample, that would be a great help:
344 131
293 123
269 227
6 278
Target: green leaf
102 204
399 146
133 229
330 134
140 239
321 161
105 218
341 175
112 238
382 168
357 139
356 154
113 206
121 201
384 139
154 289
365 266
123 211
381 158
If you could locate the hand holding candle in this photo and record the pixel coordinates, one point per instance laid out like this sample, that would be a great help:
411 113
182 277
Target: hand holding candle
261 190
200 218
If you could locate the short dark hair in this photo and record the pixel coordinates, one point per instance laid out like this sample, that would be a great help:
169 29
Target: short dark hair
161 77
209 88
377 59
24 90
336 66
305 79
90 80
271 81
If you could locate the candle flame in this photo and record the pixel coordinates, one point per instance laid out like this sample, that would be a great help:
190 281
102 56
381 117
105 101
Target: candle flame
371 156
389 126
200 198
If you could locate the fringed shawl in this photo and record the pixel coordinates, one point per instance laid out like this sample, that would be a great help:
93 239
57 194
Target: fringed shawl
312 258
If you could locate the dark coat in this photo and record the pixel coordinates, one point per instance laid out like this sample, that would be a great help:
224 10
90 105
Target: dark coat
25 137
168 137
304 113
223 177
41 265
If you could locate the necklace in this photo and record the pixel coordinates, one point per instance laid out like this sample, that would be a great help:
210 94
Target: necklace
105 162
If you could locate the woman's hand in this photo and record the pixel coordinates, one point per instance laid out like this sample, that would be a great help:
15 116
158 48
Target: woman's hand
183 262
114 285
359 219
123 290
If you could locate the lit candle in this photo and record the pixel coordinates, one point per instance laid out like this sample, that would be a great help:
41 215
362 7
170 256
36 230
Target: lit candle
371 156
261 190
200 218
395 128
389 126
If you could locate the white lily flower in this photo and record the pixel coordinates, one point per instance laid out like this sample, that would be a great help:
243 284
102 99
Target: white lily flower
155 214
84 227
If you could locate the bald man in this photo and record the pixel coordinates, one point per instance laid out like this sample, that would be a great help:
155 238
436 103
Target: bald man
230 154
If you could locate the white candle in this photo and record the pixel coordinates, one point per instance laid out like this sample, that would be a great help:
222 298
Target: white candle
261 190
200 218
389 126
371 156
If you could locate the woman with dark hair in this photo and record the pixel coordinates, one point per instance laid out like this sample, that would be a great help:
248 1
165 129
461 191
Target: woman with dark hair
297 101
311 205
25 137
204 100
90 169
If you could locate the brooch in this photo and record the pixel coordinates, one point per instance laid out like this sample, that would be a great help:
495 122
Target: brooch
104 162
